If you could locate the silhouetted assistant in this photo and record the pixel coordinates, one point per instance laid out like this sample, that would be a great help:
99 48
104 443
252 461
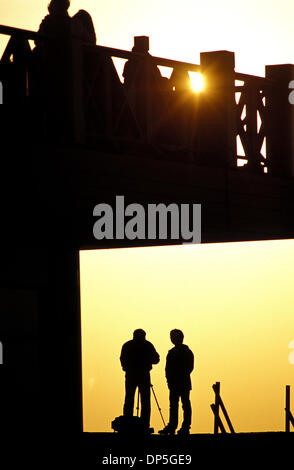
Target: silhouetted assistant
179 365
137 357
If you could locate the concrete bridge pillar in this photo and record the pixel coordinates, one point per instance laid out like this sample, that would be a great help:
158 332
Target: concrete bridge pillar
280 120
217 139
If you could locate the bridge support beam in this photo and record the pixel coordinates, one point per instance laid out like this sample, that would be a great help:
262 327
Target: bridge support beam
218 109
280 120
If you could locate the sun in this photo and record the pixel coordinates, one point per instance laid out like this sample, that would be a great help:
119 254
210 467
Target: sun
197 81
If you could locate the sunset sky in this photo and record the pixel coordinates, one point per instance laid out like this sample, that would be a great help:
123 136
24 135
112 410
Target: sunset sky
234 302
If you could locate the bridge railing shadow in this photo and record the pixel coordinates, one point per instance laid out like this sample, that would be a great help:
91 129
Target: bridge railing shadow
231 123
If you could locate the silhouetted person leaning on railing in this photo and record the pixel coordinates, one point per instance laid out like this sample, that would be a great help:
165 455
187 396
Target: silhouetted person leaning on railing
137 357
179 365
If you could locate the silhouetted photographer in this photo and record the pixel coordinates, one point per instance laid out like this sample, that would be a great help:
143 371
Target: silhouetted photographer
137 357
179 365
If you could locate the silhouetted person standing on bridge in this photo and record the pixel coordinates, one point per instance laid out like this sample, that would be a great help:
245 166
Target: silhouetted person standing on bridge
137 357
179 365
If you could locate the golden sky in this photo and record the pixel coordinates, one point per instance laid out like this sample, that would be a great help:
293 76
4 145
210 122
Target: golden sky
258 32
234 303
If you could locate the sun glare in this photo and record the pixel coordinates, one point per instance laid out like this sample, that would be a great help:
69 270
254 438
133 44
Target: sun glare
197 81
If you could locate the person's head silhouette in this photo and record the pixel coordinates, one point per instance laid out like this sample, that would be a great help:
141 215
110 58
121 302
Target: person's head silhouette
57 7
176 337
139 335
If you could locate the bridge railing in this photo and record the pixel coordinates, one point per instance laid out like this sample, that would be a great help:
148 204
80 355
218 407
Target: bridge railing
231 123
